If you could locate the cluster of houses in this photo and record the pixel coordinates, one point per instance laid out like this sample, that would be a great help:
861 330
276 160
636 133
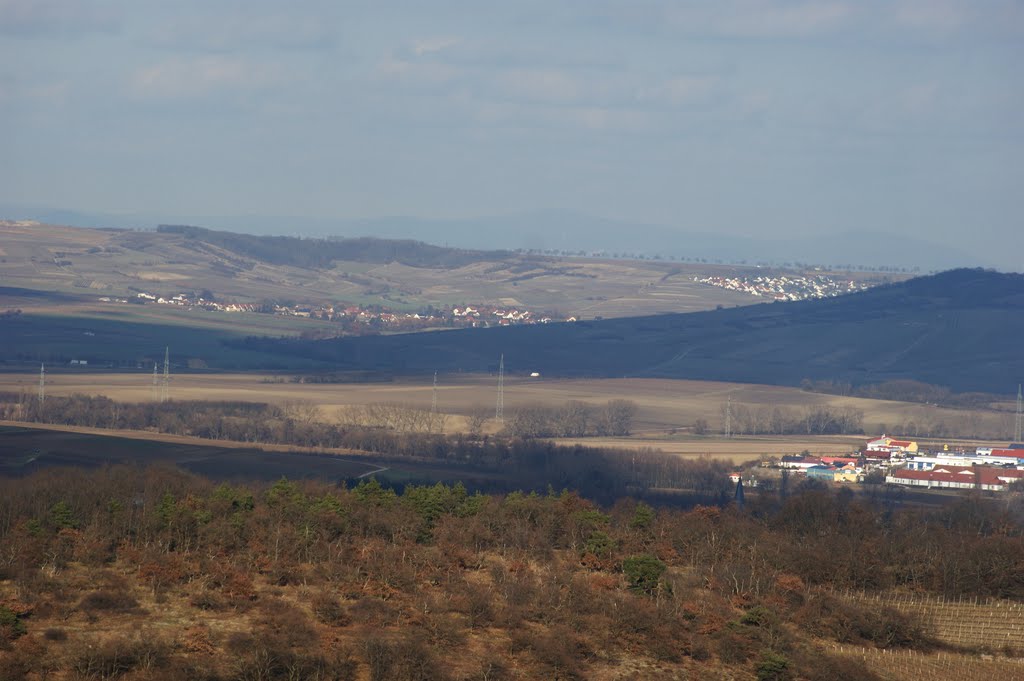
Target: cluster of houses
786 287
483 315
903 463
184 300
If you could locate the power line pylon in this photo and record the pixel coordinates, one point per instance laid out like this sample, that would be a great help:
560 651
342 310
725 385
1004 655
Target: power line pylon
165 393
499 411
728 417
433 396
42 383
156 385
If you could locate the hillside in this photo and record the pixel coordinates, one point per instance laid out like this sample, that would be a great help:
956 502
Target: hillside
149 573
960 329
396 274
323 253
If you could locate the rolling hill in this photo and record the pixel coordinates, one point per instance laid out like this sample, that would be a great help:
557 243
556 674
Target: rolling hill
397 274
961 329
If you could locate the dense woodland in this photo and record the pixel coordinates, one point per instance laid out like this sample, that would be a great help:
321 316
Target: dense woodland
150 573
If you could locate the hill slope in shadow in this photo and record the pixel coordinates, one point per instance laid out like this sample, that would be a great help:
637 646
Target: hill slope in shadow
962 329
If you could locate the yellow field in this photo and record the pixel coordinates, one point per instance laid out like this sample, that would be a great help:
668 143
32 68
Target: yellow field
663 406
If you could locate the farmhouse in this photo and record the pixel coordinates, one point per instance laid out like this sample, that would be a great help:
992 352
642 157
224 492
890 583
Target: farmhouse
848 474
892 446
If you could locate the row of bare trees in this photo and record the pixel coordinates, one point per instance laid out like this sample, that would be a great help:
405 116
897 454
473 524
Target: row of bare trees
404 418
574 419
774 420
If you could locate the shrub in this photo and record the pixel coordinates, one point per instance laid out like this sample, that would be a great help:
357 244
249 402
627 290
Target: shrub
11 627
118 657
846 622
643 572
758 616
55 634
643 517
773 667
407 659
599 544
732 647
208 600
109 601
328 610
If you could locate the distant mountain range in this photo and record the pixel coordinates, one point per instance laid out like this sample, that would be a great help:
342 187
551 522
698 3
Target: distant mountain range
961 329
570 232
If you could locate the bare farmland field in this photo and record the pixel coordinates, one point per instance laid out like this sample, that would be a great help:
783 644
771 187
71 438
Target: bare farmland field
666 409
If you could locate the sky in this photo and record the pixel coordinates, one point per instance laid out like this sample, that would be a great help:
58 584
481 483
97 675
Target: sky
742 117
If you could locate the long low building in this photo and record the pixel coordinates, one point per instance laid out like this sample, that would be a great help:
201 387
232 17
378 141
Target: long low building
927 463
957 477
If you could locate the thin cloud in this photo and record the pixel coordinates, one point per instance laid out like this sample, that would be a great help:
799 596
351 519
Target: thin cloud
270 31
932 15
39 17
193 77
432 45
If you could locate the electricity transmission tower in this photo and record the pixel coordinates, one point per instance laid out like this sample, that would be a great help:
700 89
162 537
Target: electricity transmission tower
433 396
42 383
728 417
499 412
165 388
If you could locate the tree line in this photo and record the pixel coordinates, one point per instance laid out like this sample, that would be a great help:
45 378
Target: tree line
774 420
512 460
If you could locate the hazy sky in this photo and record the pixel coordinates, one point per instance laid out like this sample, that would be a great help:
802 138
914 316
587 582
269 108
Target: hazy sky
747 117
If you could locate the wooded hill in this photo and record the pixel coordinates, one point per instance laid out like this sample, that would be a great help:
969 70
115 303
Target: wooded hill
323 253
960 329
153 574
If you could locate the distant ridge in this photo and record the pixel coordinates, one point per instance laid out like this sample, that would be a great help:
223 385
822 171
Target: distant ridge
573 232
962 329
321 253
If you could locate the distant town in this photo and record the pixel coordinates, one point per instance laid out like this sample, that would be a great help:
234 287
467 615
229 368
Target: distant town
786 287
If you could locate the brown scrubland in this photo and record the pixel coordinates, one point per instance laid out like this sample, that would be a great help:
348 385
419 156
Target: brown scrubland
149 573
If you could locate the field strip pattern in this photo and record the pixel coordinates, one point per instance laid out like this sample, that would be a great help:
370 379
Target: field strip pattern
990 623
910 665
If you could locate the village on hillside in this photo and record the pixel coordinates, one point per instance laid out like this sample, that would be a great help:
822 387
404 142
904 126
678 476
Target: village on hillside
358 319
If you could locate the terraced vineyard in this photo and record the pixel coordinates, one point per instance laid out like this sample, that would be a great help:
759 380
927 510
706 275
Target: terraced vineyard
995 625
895 665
